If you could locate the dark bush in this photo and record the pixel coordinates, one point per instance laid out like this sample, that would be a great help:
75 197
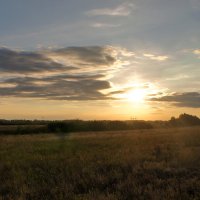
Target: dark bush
58 126
184 120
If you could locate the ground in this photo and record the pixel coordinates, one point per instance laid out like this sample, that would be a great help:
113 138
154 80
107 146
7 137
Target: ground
122 165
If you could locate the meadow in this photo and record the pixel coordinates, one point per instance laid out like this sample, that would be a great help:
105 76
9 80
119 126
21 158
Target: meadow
108 165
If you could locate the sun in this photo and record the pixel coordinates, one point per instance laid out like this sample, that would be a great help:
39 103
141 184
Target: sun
137 92
136 95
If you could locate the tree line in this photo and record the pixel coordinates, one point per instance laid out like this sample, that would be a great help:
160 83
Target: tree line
66 126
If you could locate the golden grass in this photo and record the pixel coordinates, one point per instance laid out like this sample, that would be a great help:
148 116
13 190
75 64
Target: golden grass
143 164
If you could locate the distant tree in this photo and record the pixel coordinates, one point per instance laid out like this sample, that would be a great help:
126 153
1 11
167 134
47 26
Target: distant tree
184 120
173 121
189 119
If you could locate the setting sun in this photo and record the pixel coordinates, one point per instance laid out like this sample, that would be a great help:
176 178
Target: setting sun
136 95
136 91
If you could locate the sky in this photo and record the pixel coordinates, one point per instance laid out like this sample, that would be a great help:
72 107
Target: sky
105 59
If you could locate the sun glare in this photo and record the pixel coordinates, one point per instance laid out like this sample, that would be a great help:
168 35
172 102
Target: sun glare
137 92
136 95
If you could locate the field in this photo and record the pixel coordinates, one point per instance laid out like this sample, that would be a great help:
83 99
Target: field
122 165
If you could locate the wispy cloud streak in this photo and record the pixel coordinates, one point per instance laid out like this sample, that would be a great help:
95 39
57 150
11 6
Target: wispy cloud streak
124 9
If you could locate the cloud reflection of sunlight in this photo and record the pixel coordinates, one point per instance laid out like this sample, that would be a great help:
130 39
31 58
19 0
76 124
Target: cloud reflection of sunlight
137 92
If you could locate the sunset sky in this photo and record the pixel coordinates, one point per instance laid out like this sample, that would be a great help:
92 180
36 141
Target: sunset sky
105 59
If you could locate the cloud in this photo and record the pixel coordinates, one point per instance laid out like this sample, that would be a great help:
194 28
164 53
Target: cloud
187 99
195 4
197 52
158 58
124 9
85 56
72 73
104 25
56 60
27 62
58 87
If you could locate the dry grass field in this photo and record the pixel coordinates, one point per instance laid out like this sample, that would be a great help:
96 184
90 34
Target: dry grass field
124 165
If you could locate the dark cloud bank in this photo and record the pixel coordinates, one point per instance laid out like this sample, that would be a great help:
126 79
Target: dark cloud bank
27 73
26 62
187 99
